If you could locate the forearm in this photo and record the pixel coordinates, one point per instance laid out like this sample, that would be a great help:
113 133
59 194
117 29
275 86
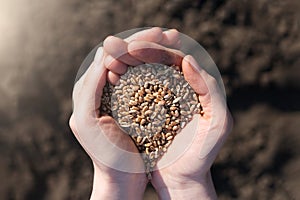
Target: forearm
202 189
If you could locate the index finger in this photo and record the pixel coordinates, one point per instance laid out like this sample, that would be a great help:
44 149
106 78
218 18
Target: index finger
150 52
152 35
168 38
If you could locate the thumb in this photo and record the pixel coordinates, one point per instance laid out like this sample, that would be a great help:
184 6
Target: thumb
198 79
193 74
89 88
212 101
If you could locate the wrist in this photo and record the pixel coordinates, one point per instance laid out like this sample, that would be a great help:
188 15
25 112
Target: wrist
118 185
189 189
115 192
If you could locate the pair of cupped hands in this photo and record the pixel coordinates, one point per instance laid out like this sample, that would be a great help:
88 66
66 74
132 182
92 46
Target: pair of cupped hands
188 177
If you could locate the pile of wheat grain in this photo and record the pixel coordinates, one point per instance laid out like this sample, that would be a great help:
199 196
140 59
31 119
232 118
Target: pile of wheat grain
152 103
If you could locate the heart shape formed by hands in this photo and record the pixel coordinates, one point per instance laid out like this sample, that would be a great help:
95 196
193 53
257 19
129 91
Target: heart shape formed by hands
152 103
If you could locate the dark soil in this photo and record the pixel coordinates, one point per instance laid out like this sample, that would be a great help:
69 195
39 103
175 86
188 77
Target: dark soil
256 45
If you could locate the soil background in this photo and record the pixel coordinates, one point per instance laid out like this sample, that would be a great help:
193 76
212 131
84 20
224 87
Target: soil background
255 44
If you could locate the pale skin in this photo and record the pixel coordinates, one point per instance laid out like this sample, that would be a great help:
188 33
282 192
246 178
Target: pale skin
177 181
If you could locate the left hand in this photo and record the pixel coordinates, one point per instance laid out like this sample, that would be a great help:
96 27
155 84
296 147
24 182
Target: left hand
99 135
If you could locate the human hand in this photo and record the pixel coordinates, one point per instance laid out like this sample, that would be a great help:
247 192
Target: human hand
88 127
103 140
189 177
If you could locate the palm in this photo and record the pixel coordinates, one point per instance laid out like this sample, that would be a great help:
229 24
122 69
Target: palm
117 137
207 133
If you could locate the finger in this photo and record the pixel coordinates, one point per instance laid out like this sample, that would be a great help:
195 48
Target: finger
115 65
117 48
113 78
151 35
197 79
171 38
100 54
88 95
77 88
194 75
204 84
149 52
82 72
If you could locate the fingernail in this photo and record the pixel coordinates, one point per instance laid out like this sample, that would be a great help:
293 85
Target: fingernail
98 56
173 30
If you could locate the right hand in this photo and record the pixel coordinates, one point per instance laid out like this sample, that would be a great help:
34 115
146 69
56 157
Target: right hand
192 169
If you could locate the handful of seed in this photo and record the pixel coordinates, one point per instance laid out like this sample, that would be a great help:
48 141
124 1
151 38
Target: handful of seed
152 103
